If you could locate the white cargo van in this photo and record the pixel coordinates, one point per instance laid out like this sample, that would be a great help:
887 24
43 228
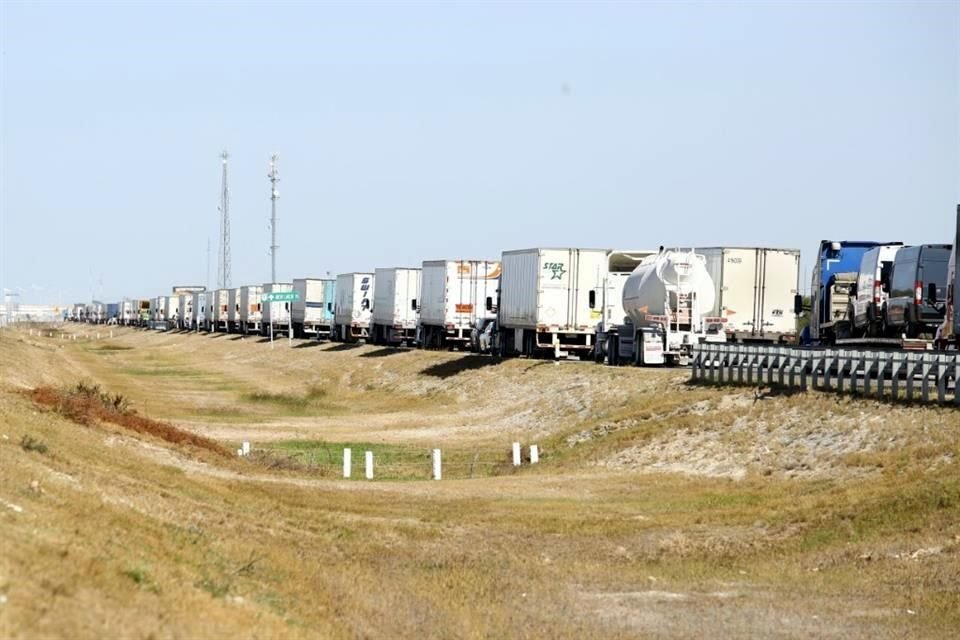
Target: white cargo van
868 299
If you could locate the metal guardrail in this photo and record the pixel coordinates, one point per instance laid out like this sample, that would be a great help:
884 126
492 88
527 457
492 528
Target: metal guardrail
892 375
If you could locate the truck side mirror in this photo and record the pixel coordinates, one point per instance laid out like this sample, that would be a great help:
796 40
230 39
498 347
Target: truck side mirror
592 298
797 304
413 304
853 289
489 303
330 307
932 292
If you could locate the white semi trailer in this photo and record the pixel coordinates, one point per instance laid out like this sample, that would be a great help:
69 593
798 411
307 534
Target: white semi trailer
396 303
171 310
221 309
754 289
313 310
185 318
198 310
127 312
251 317
456 296
666 300
548 300
233 309
276 315
352 307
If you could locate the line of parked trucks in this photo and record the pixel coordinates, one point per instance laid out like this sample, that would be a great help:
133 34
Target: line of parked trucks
645 307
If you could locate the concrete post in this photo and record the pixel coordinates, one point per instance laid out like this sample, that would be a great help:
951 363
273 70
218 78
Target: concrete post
534 454
346 463
437 471
246 448
516 454
368 464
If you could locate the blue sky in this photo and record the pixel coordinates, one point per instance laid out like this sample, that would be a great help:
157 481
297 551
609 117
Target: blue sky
413 131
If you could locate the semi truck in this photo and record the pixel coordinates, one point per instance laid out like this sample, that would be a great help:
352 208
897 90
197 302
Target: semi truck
754 289
834 279
184 310
548 297
353 302
233 310
313 311
457 296
251 317
667 302
171 310
199 307
396 304
275 315
609 314
221 310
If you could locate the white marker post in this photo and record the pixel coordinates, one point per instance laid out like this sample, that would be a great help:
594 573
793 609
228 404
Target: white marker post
516 454
534 454
368 464
346 463
437 467
246 448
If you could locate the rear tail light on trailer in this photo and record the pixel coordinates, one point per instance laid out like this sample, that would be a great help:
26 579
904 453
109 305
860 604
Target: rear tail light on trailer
876 292
918 292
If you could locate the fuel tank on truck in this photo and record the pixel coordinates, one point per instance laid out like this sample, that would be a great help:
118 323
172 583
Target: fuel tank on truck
664 279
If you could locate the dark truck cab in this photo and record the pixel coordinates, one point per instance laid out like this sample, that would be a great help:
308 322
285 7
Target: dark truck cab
918 290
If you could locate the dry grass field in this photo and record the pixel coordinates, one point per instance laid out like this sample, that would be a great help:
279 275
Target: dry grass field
658 509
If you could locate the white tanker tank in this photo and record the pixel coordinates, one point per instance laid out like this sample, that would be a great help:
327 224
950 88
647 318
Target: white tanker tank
666 300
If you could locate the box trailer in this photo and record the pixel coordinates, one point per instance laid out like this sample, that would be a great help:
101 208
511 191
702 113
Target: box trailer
221 309
313 311
396 303
547 300
198 310
276 315
250 315
456 296
127 312
233 310
171 310
186 310
755 289
353 299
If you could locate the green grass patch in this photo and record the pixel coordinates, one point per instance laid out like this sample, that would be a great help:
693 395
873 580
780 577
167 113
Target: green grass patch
311 403
391 461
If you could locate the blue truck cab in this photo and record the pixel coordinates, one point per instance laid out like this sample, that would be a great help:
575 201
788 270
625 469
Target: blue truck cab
834 276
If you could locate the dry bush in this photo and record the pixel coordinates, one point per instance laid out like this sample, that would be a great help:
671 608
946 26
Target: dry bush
88 404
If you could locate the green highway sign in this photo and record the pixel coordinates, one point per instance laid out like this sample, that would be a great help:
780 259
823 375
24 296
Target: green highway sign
281 296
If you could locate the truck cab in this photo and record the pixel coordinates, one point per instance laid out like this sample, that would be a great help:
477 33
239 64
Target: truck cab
834 278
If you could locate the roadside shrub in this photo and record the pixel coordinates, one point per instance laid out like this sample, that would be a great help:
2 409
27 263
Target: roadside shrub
29 443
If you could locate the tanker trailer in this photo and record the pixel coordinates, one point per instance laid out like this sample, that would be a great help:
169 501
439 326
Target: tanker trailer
666 301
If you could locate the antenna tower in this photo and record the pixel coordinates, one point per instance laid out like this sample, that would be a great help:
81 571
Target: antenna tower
223 261
274 195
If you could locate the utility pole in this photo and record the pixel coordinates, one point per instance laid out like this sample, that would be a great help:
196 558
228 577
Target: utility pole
208 264
223 262
274 195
